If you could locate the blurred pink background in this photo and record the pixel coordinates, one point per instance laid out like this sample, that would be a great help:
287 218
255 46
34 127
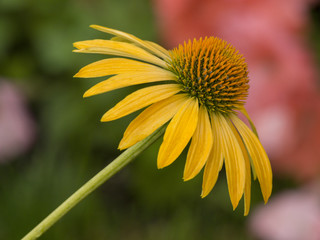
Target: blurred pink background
17 127
284 89
290 215
283 98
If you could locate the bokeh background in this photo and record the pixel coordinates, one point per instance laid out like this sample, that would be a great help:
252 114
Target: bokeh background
52 142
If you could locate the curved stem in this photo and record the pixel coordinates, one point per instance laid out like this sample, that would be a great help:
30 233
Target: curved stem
117 164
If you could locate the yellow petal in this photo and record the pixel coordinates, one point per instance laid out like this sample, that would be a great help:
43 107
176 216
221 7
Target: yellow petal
151 119
247 186
245 113
234 161
258 155
132 38
121 39
200 146
129 79
215 159
119 49
160 48
140 99
178 133
113 66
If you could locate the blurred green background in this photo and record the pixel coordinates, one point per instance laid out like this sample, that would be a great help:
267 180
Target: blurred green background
72 145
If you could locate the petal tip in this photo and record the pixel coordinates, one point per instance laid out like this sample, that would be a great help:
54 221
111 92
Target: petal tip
204 194
97 27
120 147
124 145
161 164
104 119
94 26
246 213
234 205
76 45
266 199
87 94
108 116
159 167
77 75
187 177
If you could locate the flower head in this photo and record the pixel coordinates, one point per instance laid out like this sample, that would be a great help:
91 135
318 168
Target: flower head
200 87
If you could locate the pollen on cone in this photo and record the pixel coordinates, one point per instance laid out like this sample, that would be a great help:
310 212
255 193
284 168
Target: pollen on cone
212 71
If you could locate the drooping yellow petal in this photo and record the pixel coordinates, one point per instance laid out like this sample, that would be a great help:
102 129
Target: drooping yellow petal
140 99
253 127
118 49
215 159
113 66
258 155
151 119
178 133
132 38
200 146
129 79
247 186
234 161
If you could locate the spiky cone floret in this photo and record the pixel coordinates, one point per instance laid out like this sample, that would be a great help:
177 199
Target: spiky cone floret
199 88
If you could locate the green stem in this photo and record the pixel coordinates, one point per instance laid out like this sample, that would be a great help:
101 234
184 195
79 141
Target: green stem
117 164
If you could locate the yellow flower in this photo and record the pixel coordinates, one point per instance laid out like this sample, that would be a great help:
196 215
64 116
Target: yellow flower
200 87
